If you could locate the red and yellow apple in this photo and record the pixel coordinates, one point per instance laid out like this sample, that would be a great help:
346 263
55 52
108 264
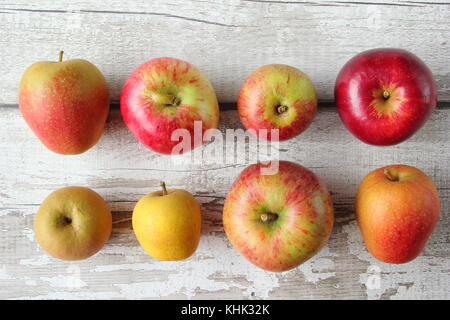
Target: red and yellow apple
73 223
166 94
65 103
397 208
277 97
385 95
167 223
280 220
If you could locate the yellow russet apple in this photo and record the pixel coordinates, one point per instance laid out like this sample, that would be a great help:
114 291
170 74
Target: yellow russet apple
73 223
167 223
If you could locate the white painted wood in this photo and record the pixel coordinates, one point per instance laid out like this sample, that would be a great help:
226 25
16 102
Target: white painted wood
226 39
122 170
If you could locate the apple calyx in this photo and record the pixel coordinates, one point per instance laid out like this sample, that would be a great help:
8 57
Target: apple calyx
391 176
64 220
269 217
60 56
167 100
281 109
67 220
386 94
163 186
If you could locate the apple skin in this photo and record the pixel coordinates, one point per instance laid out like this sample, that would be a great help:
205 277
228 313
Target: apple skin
65 104
168 223
385 95
271 87
397 208
300 214
165 94
73 223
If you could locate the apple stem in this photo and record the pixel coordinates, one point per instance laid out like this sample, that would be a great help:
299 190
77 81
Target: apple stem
60 56
175 101
163 186
389 175
269 217
386 94
281 109
166 99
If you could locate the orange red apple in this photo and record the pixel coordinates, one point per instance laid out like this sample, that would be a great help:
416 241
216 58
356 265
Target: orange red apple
397 208
65 103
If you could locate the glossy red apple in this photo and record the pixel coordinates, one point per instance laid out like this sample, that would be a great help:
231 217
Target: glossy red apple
166 94
385 95
280 220
277 102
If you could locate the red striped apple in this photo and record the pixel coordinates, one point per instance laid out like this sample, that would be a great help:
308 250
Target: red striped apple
65 103
166 94
397 208
385 95
277 97
278 221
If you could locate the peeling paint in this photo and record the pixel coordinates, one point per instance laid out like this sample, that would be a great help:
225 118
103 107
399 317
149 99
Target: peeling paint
41 260
424 275
61 281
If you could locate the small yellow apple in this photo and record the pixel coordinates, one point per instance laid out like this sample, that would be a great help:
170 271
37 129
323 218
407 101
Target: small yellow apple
73 223
167 223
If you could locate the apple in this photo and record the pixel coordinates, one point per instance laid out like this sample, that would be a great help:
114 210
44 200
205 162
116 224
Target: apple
166 94
65 104
277 97
73 223
278 221
167 223
397 208
385 95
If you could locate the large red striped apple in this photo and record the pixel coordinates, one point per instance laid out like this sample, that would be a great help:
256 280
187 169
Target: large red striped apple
397 208
277 102
278 221
385 95
166 94
65 103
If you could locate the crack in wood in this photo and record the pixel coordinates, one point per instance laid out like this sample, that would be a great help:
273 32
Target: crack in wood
128 13
338 3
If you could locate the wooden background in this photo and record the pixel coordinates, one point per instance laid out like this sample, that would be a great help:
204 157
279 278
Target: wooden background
227 40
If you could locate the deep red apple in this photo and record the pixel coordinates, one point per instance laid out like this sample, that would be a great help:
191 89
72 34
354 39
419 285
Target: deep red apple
166 94
385 95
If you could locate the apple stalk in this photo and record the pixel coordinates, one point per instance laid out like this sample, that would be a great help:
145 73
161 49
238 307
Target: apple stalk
390 175
269 217
163 186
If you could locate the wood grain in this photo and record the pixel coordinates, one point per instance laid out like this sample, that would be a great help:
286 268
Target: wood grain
226 39
122 170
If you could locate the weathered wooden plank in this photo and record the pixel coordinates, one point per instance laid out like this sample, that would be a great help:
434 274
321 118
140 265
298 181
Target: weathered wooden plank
122 170
226 39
